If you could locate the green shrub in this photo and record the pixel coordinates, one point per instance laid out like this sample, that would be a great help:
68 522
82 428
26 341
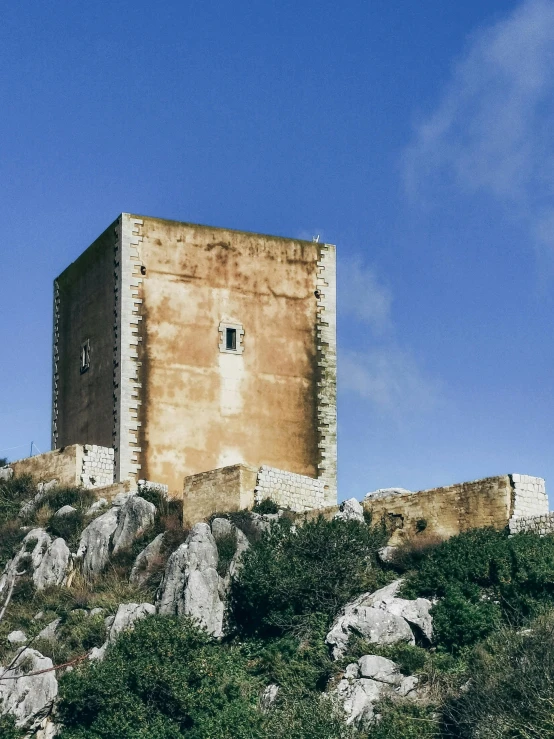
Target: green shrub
483 577
266 506
13 493
292 573
164 679
68 527
511 690
8 729
405 720
312 717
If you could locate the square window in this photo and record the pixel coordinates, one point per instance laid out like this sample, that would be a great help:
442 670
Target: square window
85 356
231 339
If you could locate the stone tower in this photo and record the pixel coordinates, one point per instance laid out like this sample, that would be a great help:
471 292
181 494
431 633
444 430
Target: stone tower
188 348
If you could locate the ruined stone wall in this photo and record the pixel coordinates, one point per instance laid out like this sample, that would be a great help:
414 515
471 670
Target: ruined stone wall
225 489
440 513
90 465
289 490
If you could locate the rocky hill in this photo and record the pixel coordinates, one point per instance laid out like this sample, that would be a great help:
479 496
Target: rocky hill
116 622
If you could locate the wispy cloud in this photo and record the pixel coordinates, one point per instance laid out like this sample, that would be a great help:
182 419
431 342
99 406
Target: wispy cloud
389 378
372 364
491 132
364 296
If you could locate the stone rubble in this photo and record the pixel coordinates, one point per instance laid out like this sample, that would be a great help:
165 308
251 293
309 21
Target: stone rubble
368 681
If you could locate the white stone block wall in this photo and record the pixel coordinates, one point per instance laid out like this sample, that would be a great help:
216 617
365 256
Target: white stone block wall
289 490
530 497
537 524
98 466
326 336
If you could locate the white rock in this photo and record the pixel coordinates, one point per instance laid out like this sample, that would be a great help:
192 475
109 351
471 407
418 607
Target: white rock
54 566
28 699
221 527
94 546
268 697
96 506
6 473
350 510
190 585
49 632
136 516
358 698
146 560
381 618
17 637
379 668
386 492
387 554
65 510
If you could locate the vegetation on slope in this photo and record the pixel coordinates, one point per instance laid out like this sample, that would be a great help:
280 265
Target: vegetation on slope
488 675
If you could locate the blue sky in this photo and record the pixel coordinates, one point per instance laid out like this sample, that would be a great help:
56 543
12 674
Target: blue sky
415 136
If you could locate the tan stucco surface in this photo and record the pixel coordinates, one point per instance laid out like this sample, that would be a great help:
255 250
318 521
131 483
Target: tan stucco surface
447 511
223 490
86 312
203 409
63 465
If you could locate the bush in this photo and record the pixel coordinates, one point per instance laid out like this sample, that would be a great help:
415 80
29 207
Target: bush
8 729
484 577
164 679
266 506
405 720
511 691
293 573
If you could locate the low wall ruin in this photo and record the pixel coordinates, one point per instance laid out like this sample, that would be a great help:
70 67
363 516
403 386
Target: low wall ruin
88 465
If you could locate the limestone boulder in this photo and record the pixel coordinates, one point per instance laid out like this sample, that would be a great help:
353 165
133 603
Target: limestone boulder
369 681
350 510
55 565
136 515
96 507
65 510
6 473
191 584
222 527
17 637
49 631
94 545
387 492
381 618
146 561
28 699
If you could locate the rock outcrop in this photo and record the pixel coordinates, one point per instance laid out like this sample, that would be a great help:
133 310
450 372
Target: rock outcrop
146 561
386 492
94 546
350 510
55 565
28 699
191 584
136 515
368 681
381 618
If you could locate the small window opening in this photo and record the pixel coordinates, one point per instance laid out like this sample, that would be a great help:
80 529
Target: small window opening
85 356
231 339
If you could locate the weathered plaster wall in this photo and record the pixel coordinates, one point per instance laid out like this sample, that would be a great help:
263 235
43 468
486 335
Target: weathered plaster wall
203 408
226 489
443 512
289 490
64 465
84 303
